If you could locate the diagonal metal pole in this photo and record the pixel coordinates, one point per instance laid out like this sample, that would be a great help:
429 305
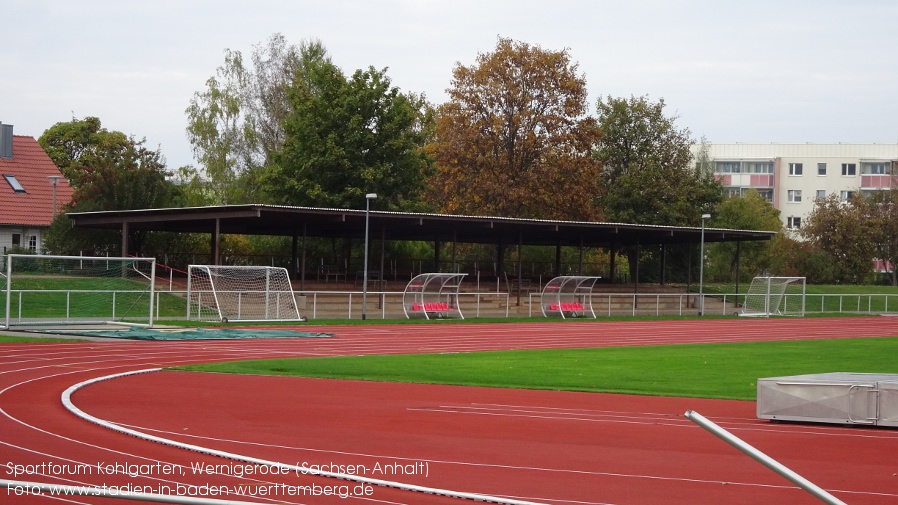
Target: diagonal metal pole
762 458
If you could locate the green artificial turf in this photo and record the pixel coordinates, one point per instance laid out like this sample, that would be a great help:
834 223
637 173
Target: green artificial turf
691 370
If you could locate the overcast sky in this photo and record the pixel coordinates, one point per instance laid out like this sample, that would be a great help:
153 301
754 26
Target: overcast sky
786 71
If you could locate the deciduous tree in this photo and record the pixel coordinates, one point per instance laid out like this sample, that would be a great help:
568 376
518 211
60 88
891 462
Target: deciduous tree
347 137
236 125
751 211
514 138
217 128
81 143
843 231
106 173
880 209
648 174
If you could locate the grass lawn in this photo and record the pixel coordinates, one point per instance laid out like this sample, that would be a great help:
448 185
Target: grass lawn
44 296
4 339
829 298
692 370
815 289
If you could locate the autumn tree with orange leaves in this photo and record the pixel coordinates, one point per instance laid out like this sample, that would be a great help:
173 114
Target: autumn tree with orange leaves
514 139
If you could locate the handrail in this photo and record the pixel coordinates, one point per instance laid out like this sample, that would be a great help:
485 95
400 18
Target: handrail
344 304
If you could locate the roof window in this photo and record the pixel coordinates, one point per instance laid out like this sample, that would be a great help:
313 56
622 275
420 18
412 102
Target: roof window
14 183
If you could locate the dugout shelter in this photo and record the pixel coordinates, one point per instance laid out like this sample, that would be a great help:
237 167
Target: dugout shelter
433 295
568 296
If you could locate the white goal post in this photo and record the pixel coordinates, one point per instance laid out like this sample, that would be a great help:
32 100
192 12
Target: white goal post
240 293
775 296
46 289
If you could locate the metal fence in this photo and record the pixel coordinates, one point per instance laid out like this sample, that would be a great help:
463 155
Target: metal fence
170 304
388 304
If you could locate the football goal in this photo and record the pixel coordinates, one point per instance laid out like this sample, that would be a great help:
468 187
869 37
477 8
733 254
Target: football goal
240 293
775 296
44 289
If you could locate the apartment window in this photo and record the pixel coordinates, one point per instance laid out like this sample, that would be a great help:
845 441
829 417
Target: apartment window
760 168
729 167
766 193
821 168
796 168
821 194
875 168
793 222
32 243
14 183
849 169
846 195
794 195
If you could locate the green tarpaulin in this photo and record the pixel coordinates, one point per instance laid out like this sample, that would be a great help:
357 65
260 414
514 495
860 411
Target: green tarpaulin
138 333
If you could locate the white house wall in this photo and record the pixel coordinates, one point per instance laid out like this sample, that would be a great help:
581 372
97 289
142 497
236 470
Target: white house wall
6 233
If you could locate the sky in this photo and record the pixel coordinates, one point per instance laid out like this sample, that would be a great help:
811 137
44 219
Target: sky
786 71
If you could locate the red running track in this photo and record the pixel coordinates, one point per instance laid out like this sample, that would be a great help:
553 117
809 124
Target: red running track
550 447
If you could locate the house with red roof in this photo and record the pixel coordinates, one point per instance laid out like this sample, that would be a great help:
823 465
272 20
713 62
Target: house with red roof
32 190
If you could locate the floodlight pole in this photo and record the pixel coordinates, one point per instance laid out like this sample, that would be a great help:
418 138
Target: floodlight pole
368 198
701 269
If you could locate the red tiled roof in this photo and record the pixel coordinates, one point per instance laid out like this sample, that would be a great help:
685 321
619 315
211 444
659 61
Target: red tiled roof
31 166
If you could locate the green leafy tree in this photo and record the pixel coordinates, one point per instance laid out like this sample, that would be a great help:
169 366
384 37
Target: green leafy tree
105 176
843 231
750 211
881 211
798 258
277 67
514 138
236 125
216 128
195 190
137 180
648 174
347 137
76 145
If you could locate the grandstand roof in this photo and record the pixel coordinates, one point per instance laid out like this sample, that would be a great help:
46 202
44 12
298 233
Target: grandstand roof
342 223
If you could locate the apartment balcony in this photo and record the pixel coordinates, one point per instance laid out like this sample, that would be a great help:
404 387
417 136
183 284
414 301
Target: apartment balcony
873 182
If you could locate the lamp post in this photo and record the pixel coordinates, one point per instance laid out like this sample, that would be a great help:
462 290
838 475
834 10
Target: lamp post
701 269
54 180
368 198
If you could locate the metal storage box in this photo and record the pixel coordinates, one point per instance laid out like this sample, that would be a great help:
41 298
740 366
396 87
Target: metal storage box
836 397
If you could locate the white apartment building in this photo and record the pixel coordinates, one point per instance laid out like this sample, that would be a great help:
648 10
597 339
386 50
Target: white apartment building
794 176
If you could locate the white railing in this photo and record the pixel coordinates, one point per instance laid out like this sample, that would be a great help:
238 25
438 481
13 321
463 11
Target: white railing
17 314
388 304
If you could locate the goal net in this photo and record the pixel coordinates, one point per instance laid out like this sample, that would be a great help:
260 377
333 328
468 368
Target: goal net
240 293
775 296
44 289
